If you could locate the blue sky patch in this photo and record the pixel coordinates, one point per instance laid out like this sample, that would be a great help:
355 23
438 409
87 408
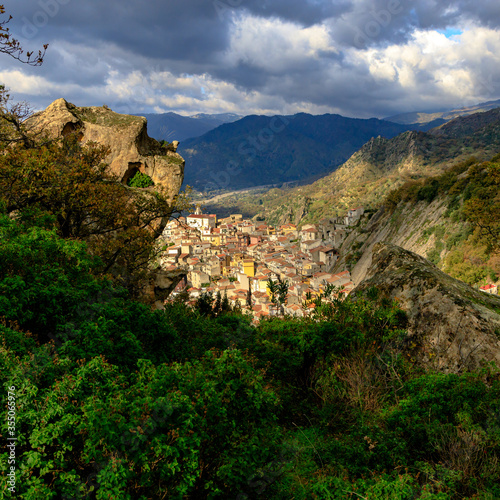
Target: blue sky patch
449 32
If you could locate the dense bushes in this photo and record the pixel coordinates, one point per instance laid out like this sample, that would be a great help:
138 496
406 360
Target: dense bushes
68 187
115 400
427 189
140 180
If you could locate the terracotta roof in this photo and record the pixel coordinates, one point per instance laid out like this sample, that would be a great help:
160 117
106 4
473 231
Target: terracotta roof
488 287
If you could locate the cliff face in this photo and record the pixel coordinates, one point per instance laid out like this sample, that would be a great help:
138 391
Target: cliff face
452 327
413 226
131 149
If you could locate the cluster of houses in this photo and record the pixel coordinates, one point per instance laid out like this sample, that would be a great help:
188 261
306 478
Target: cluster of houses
236 257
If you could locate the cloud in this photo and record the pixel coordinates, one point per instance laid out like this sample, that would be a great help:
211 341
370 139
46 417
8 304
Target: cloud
355 57
276 47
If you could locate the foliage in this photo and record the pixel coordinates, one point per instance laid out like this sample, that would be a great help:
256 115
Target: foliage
470 236
208 305
199 403
43 278
140 180
71 184
278 291
482 204
115 400
13 128
427 189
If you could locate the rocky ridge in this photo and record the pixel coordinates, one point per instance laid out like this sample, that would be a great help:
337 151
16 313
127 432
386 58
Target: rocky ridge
410 226
451 326
378 167
131 150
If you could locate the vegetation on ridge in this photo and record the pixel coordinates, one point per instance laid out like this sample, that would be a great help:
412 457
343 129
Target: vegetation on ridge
469 241
115 400
66 186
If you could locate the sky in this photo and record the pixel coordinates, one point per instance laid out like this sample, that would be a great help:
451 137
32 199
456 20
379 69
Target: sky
357 58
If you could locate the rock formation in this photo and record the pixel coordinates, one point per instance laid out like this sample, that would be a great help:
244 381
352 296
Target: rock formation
452 327
160 285
406 227
131 149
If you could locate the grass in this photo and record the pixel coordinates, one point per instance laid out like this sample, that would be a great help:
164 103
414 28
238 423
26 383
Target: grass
105 117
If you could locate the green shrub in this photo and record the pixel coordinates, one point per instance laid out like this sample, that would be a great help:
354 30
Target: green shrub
140 180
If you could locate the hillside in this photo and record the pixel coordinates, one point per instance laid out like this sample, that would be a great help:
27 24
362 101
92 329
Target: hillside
452 326
262 150
392 392
379 166
451 219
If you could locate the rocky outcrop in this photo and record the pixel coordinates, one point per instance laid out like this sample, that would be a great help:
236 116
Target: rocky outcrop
160 286
130 148
452 327
411 226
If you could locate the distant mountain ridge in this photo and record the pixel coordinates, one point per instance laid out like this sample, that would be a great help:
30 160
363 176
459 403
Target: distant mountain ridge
172 126
379 166
227 152
465 126
436 118
258 150
381 163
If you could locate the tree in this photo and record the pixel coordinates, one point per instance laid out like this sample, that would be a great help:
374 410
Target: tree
279 291
12 121
13 116
11 46
482 208
71 184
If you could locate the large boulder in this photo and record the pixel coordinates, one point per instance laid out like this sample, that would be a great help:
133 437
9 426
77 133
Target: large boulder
452 327
131 149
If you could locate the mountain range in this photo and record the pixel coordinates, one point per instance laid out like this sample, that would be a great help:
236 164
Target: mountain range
172 126
263 150
227 152
370 173
431 119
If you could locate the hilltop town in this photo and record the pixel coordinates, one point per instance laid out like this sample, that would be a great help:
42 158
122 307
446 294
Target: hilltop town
236 258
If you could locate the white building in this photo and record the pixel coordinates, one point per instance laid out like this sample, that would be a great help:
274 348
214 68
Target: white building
201 221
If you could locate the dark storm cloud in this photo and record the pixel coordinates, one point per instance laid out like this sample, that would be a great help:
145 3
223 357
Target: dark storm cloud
444 13
304 12
153 28
198 30
97 45
374 22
